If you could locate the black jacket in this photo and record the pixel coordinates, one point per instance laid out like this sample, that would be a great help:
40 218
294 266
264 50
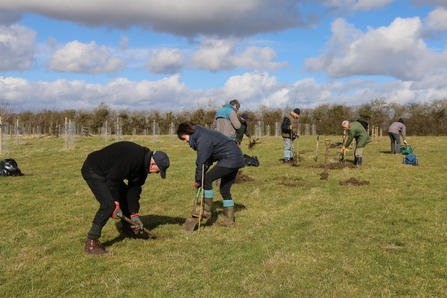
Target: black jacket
211 146
122 161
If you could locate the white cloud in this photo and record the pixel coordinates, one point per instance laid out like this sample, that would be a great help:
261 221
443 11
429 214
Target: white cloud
252 89
397 51
166 61
184 18
250 86
437 20
89 58
222 54
16 47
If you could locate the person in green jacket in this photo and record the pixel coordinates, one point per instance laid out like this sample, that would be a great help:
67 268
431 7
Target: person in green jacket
356 131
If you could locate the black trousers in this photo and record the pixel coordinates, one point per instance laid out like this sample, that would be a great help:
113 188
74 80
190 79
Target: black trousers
226 176
102 194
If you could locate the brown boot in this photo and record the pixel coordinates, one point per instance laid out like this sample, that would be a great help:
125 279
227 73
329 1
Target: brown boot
93 247
207 209
129 232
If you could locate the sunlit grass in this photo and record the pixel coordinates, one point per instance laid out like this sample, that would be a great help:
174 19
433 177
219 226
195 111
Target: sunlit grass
296 235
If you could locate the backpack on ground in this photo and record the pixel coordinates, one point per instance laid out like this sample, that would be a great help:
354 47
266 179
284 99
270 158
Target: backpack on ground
9 167
411 159
251 161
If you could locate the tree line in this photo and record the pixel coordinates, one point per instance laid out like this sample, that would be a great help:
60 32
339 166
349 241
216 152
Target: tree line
421 119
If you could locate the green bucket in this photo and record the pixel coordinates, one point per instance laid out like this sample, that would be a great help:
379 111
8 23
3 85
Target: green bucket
405 149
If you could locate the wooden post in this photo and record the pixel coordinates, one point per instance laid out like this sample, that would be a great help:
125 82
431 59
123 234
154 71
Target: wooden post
66 133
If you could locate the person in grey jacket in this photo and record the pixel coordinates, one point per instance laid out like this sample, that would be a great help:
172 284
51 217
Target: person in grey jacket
212 146
394 131
226 120
105 171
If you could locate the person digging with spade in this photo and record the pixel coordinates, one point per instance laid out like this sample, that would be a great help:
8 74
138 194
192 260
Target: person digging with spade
356 131
105 171
211 146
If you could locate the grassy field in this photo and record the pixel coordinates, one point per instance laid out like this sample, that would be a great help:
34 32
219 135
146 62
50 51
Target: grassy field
296 234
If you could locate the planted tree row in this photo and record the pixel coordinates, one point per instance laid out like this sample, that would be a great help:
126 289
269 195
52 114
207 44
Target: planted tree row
427 118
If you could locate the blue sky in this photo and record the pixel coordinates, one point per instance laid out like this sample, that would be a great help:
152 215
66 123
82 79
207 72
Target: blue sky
172 55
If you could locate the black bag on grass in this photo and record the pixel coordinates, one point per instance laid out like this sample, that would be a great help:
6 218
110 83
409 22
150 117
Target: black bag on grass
9 167
251 161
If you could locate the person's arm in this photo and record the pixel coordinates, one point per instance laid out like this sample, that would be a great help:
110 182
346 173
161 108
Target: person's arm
349 139
404 132
204 153
234 119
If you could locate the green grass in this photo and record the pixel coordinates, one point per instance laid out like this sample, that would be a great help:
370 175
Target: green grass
299 237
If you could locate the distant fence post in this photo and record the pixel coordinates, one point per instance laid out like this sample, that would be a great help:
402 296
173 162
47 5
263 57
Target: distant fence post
171 129
155 131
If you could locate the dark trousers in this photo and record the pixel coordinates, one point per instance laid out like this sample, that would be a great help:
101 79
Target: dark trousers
395 142
226 176
102 194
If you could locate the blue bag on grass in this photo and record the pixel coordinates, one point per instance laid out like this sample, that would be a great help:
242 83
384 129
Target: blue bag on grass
411 159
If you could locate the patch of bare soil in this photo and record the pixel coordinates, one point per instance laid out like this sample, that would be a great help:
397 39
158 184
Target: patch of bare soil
286 178
335 166
287 181
241 178
354 181
324 175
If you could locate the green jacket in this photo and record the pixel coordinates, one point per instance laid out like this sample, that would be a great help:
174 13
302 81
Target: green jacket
357 131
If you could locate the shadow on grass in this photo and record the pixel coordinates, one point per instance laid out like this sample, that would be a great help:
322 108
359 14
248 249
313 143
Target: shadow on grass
152 221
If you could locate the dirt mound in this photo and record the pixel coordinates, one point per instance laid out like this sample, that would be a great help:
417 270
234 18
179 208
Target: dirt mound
241 178
354 181
324 175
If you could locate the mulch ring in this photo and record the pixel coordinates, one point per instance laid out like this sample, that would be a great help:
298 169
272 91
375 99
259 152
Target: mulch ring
286 181
354 181
241 178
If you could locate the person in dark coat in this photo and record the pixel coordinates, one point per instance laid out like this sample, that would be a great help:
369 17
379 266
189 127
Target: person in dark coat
105 171
213 146
243 130
289 132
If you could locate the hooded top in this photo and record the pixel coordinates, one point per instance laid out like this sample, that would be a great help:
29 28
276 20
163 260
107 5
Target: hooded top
212 146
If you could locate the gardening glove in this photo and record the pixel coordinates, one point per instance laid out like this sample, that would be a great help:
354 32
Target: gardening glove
197 185
343 148
117 212
138 224
405 142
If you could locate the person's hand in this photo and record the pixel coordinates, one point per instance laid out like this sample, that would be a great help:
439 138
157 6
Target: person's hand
405 142
138 224
290 126
196 186
117 212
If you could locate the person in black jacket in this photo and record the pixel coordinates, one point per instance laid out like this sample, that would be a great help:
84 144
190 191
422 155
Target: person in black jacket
105 171
211 146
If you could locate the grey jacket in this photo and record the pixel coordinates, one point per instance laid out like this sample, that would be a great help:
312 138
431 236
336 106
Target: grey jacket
397 127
